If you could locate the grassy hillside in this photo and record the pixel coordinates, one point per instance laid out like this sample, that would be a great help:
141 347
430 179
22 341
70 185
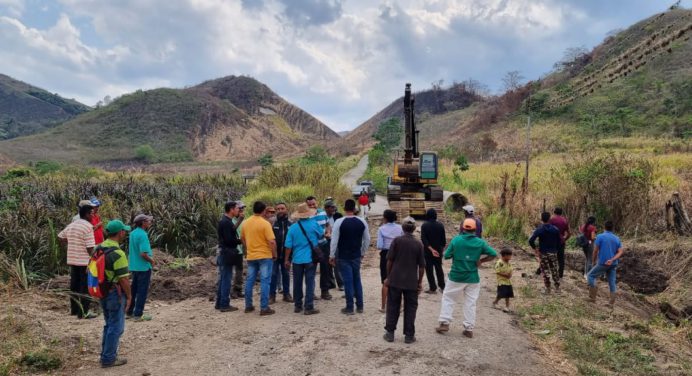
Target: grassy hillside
26 109
233 118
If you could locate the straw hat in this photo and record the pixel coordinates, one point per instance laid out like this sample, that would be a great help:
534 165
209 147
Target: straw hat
303 211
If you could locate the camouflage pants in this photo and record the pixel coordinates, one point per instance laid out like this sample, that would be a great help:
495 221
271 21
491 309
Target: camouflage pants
549 265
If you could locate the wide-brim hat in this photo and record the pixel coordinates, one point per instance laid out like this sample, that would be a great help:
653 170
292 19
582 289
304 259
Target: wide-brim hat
303 211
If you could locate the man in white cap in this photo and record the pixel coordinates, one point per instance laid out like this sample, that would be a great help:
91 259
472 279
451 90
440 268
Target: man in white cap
141 262
469 212
78 236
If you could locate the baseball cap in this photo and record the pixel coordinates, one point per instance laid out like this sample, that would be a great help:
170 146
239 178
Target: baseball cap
240 204
95 201
409 219
83 203
329 204
469 224
468 208
142 218
115 226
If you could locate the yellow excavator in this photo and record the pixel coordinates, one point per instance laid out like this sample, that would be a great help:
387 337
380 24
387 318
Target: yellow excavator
412 188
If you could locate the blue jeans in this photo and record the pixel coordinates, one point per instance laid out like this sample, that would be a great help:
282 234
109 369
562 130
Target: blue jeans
113 306
264 267
599 270
279 269
350 273
140 290
223 284
308 271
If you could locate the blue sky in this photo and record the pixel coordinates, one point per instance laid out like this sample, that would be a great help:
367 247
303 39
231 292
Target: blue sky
341 60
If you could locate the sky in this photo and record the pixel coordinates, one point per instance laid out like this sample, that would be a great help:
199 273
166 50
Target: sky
340 60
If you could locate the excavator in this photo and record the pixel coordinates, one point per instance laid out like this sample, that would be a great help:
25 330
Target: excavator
412 188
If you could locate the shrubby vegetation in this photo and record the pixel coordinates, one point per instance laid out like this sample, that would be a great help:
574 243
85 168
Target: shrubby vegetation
35 208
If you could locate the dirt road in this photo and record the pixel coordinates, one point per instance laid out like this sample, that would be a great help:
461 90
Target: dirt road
351 178
191 338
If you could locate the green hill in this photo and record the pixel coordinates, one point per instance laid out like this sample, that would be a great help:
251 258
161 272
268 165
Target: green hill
26 109
232 118
636 83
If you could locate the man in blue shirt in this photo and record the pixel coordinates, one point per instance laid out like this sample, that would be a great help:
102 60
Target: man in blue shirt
606 257
546 253
141 261
302 236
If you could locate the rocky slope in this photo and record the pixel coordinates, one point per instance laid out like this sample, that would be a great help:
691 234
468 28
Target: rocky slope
231 118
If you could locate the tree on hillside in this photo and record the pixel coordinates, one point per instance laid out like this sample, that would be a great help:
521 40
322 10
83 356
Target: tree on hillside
266 160
512 80
573 60
389 133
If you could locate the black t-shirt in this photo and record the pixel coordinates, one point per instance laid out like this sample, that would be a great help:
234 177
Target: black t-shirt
406 254
228 237
432 234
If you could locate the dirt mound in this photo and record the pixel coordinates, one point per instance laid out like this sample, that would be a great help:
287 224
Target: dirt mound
182 279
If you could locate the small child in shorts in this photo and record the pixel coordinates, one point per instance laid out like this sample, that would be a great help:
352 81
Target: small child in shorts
503 271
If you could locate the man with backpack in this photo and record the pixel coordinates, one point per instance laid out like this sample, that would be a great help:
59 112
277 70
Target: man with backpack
302 238
79 238
116 292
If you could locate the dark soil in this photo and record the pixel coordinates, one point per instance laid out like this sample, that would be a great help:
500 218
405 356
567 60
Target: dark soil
634 270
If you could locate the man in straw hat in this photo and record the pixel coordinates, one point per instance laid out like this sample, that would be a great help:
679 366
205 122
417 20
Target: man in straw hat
302 237
466 251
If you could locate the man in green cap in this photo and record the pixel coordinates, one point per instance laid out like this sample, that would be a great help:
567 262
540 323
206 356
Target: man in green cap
118 295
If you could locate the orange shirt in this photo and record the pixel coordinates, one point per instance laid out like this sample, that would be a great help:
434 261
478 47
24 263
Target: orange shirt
257 232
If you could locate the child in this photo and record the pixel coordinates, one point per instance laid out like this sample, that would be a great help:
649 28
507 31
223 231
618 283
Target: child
503 270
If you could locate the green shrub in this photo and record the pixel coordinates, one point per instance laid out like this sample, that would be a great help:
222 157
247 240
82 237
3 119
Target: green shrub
42 360
47 167
609 186
291 194
145 153
502 224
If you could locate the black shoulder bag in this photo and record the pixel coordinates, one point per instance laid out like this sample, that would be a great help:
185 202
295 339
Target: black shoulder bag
316 250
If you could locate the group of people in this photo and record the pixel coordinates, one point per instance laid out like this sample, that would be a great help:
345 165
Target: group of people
274 245
122 298
602 252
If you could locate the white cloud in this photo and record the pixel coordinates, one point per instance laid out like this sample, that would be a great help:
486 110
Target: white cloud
14 8
340 60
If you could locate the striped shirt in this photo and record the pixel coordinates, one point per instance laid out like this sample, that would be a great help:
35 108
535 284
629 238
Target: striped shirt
322 219
116 262
80 236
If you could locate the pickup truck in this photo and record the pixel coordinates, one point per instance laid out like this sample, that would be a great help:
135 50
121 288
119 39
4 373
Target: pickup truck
368 187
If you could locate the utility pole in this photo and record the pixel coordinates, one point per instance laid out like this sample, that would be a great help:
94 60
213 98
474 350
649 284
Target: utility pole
528 144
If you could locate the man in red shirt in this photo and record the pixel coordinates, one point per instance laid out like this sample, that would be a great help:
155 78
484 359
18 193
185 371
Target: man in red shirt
96 221
364 202
559 221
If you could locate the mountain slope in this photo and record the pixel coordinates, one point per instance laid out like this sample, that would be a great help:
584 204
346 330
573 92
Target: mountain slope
429 104
232 118
636 83
26 109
